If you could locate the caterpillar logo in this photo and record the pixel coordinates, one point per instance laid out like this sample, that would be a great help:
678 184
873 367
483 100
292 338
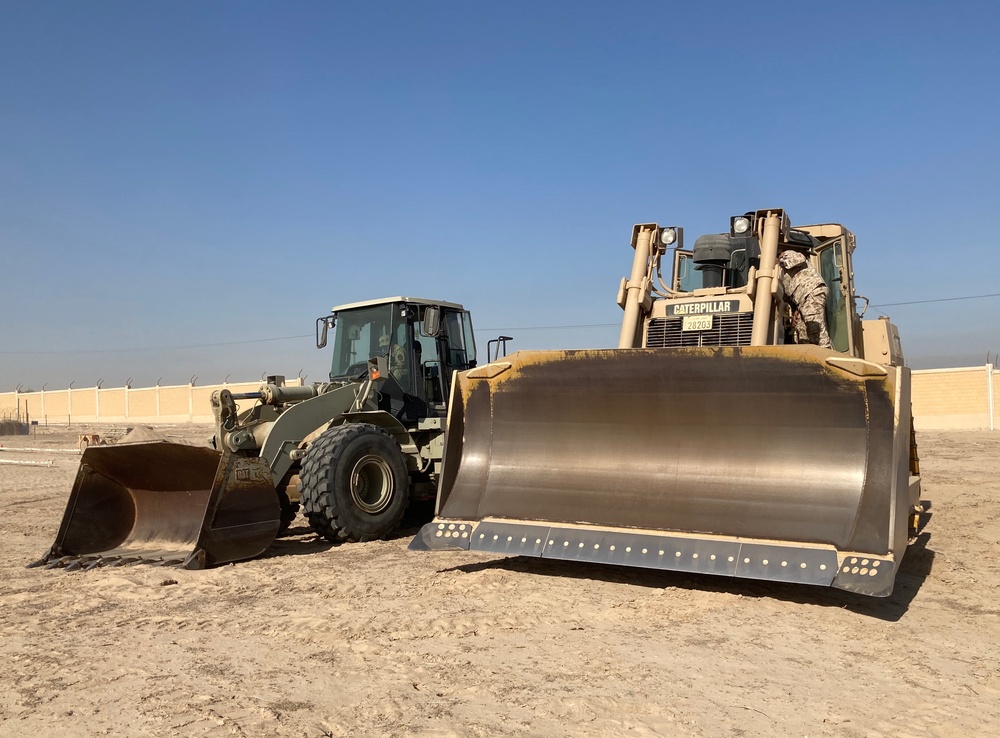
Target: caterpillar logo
703 308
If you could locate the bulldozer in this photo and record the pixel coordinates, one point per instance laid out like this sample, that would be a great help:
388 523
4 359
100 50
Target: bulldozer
710 441
352 452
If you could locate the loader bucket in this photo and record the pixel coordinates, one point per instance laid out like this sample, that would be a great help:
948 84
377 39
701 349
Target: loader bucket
165 503
783 463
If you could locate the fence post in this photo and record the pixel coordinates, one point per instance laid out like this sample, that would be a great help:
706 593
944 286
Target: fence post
989 395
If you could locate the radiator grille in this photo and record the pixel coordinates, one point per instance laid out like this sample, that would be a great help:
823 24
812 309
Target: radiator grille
730 329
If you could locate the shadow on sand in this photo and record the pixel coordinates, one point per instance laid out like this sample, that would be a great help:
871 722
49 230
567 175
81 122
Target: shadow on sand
916 567
301 540
298 540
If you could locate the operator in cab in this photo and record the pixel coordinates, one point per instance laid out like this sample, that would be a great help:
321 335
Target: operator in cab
806 293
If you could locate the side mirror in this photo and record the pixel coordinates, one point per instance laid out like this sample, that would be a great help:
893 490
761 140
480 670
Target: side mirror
323 326
432 321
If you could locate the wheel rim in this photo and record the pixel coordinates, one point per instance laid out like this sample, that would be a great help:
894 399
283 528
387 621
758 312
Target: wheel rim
371 484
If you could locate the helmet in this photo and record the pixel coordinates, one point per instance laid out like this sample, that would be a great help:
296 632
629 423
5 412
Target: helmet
789 259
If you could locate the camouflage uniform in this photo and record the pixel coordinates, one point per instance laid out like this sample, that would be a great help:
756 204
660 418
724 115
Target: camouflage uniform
397 363
806 292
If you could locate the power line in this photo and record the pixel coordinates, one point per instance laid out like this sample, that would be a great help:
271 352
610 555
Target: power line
615 325
482 330
549 327
157 348
937 299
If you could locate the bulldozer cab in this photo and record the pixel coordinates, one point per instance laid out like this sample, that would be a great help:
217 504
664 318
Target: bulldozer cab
727 263
422 343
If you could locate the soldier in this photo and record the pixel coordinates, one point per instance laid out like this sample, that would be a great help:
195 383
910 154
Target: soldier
397 358
806 292
397 364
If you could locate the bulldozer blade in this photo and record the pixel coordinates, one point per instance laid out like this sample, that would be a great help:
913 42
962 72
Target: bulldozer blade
165 503
782 463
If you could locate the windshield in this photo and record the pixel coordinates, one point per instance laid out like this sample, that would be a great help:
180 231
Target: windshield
688 277
362 334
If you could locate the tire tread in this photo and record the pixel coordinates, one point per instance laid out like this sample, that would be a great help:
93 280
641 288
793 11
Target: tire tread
319 501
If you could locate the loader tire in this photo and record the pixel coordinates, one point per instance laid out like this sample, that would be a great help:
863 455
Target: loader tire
355 486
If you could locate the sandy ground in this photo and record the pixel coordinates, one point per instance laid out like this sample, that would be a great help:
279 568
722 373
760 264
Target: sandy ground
371 639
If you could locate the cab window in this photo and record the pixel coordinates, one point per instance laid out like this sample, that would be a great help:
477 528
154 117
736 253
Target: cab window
361 334
461 343
831 262
686 277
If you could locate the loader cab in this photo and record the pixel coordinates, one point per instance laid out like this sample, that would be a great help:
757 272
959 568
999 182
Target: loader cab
422 341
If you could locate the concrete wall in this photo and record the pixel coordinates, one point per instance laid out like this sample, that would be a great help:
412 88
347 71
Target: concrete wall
173 404
956 398
942 399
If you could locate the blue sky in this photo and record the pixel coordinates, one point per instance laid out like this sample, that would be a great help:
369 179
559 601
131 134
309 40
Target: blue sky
186 186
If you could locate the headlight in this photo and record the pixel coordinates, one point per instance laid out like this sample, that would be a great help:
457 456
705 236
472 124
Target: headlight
741 225
668 236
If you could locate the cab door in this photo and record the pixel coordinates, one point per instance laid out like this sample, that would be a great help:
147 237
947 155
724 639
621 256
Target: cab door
430 368
835 267
444 345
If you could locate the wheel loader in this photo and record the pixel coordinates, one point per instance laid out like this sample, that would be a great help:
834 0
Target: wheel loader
352 451
709 441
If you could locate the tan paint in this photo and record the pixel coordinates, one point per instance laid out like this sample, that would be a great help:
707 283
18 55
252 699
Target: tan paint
524 465
765 275
637 287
